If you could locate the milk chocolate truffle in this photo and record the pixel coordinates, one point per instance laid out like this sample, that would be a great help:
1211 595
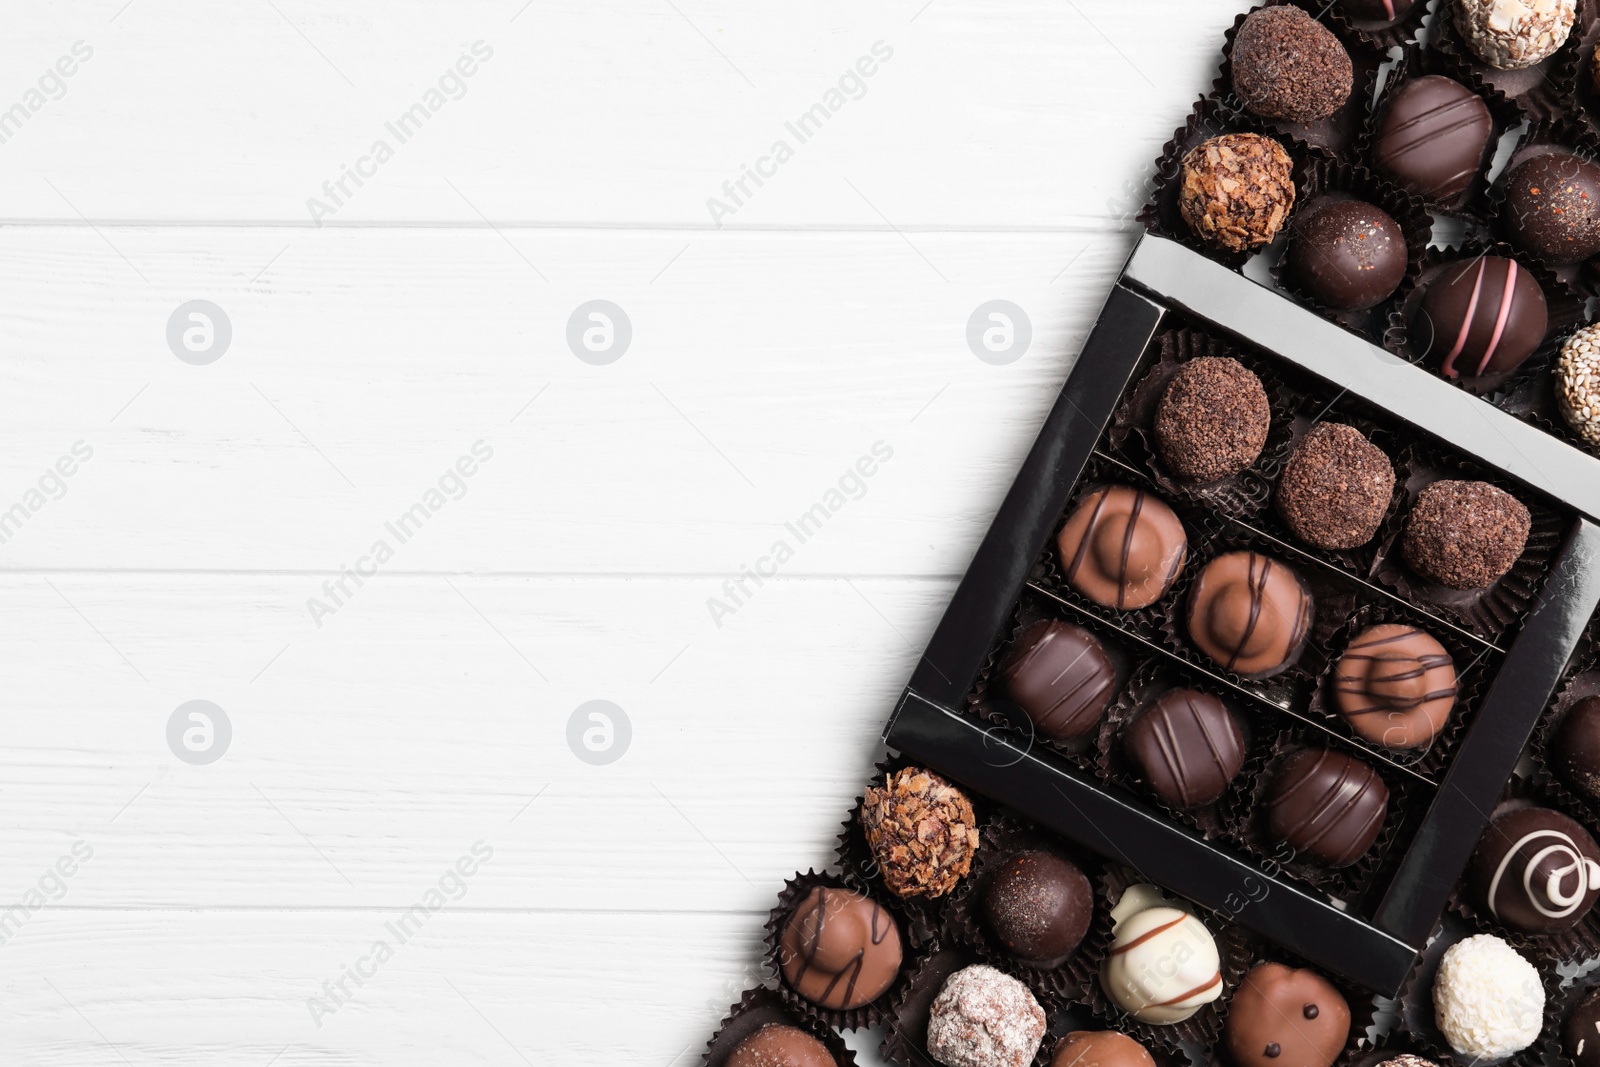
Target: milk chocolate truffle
1327 805
1039 906
1213 418
1535 870
1580 1037
1287 65
1286 1017
776 1045
839 949
1574 751
1249 613
1511 34
1122 548
1465 534
1187 747
1346 254
1105 1048
1236 190
1578 381
1336 487
922 832
1487 1000
1552 207
983 1017
1163 966
1060 676
1376 10
1487 315
1433 136
1395 686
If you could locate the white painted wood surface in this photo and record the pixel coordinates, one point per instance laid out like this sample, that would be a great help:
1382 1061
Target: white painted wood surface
997 153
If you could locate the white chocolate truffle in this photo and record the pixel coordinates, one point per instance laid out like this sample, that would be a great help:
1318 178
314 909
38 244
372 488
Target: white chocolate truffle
1578 383
1487 1000
983 1017
1509 34
1163 966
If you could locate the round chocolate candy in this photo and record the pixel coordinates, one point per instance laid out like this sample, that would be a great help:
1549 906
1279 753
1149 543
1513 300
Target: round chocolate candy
921 830
1235 191
1346 254
1060 676
1163 966
983 1017
1484 316
1395 686
839 949
1212 420
1039 906
1536 870
1465 534
1336 487
1286 1017
1580 1036
1433 136
1376 10
1512 34
1328 805
1552 207
1574 750
777 1045
1287 65
1187 747
1487 1000
1249 613
1122 548
1105 1048
1578 382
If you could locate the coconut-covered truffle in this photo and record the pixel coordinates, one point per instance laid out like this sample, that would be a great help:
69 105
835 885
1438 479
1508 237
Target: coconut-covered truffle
1335 488
984 1018
1511 34
1487 1000
1465 534
922 832
1236 190
1578 381
1287 65
1212 420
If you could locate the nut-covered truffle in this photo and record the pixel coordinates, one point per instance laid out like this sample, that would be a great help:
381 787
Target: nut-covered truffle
1335 488
1465 534
1287 65
1237 190
1511 34
1212 420
983 1017
1487 1000
922 832
1578 382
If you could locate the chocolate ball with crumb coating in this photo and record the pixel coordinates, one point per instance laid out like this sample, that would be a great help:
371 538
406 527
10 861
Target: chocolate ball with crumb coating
1465 535
1235 191
776 1045
1212 419
1335 488
1287 65
922 832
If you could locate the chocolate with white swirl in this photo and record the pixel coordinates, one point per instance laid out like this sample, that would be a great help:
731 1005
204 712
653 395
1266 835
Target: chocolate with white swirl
1536 870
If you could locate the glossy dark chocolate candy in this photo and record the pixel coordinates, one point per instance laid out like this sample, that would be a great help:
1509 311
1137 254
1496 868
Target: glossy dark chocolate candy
1536 870
777 1045
1039 906
1060 676
1376 10
839 949
1122 548
1187 746
1580 1037
1249 613
1327 805
1286 1017
1552 207
1346 254
1433 136
1574 751
1486 314
1395 686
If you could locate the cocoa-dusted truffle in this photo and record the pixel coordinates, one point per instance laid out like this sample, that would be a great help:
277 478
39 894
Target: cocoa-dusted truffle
1236 190
777 1045
1346 254
1376 10
1213 418
1487 315
1465 534
1578 381
1250 613
1511 34
922 832
1335 488
1122 548
1039 905
983 1017
1552 207
1287 65
1286 1017
839 949
1574 752
1395 686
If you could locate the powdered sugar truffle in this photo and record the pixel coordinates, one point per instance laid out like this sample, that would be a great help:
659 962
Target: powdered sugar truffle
1487 1000
983 1017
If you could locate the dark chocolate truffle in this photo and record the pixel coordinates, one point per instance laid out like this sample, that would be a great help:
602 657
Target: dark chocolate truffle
1122 548
1039 906
1187 747
1328 805
1535 870
1432 137
1574 751
1486 316
1060 676
1580 1037
1395 686
1287 65
1212 419
1376 10
922 832
1286 1017
1105 1048
1236 190
1465 534
839 949
1335 488
1249 613
1512 34
1552 207
776 1045
1346 254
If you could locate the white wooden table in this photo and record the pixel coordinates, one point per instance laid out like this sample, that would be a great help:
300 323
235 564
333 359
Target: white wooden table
379 735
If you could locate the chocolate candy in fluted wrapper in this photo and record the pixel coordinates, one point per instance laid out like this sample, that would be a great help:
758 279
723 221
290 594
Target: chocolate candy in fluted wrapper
1122 548
1377 10
1286 1017
1235 191
1060 675
1512 34
839 949
1578 382
1536 870
1163 966
1187 746
1574 750
1335 488
1465 534
1287 65
1552 207
1328 805
1484 316
1039 905
1395 686
921 830
1346 254
776 1045
1103 1048
1250 613
1432 137
1212 420
1580 1037
983 1017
